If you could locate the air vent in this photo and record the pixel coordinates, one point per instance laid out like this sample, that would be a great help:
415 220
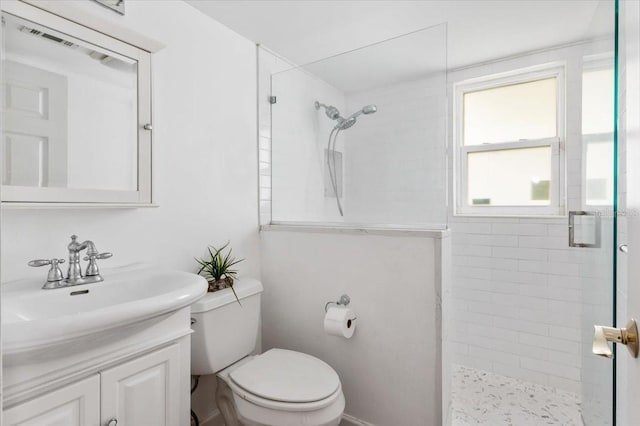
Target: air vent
39 33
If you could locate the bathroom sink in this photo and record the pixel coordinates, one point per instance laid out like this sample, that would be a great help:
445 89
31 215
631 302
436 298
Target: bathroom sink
34 319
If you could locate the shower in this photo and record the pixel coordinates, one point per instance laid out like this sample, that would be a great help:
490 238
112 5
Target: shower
342 124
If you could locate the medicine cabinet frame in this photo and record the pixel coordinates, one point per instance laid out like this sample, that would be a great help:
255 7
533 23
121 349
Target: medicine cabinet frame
32 196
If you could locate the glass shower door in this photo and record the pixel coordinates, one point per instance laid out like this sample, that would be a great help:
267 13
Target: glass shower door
593 229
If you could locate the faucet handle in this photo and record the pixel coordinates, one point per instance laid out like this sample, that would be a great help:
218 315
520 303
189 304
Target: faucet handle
104 255
43 262
92 267
55 273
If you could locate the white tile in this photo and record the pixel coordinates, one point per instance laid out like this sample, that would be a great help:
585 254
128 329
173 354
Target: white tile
518 229
542 242
564 371
566 333
550 343
493 332
469 250
530 327
494 356
504 240
472 228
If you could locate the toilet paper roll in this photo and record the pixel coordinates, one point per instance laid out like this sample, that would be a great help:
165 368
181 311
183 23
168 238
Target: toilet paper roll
340 322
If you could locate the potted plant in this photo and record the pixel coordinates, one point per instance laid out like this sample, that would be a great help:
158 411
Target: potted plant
217 269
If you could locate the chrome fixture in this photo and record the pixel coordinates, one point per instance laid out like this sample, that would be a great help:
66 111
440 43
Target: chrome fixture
55 278
343 301
627 336
342 124
588 218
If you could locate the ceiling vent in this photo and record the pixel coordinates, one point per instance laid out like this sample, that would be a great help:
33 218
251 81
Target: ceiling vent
42 34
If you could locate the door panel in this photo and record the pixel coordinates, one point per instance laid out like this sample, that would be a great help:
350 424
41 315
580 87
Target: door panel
598 197
74 405
628 368
143 392
35 117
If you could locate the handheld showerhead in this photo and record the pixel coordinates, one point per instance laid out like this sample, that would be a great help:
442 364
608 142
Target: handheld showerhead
344 123
369 109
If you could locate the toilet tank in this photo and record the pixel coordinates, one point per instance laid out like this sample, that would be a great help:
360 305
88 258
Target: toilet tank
224 330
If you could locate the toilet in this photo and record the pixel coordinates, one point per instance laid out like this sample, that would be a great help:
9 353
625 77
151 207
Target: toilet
276 388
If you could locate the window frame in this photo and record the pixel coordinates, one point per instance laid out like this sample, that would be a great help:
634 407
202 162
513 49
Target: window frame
557 202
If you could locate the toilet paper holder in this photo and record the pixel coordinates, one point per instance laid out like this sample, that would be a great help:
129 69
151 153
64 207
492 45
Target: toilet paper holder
344 301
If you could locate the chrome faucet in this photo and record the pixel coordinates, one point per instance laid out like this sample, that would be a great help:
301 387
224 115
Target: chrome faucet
74 271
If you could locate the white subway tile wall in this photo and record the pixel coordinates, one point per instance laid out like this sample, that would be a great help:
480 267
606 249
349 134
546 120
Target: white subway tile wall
517 310
520 295
395 159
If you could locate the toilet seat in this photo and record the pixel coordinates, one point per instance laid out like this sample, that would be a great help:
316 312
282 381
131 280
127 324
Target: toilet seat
276 378
285 380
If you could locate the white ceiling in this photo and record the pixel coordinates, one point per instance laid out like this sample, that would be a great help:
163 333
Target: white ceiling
478 30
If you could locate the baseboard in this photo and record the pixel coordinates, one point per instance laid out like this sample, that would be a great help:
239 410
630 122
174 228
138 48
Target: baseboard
215 419
348 420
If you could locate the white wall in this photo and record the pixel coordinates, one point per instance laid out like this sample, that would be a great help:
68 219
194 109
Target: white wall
396 173
205 153
519 293
390 368
299 135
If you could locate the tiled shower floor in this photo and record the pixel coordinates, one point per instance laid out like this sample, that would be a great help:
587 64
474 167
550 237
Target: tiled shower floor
483 398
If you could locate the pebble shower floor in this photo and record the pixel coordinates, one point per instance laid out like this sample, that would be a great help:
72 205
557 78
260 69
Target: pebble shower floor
483 398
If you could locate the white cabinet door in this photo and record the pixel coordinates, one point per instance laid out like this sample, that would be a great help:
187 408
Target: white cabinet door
73 405
144 391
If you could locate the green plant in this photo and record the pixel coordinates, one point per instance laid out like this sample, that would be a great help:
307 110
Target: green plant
219 267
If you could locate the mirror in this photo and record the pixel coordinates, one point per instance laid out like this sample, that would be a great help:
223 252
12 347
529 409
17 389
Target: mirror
72 111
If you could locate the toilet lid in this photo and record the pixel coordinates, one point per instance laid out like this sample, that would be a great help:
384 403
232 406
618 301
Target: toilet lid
287 376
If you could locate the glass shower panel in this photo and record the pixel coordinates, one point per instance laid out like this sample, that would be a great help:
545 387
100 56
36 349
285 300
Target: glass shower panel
599 148
360 138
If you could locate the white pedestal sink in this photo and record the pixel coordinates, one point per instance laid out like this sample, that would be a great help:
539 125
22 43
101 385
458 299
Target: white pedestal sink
34 319
55 339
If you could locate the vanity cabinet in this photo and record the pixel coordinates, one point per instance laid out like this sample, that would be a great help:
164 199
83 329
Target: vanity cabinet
138 374
140 392
77 404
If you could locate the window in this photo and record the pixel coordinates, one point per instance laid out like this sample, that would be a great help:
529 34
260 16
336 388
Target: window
597 131
509 134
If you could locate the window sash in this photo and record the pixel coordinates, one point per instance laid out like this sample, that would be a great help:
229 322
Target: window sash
557 191
587 140
554 191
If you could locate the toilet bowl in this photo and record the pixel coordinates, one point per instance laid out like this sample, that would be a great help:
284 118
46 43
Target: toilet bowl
280 388
277 388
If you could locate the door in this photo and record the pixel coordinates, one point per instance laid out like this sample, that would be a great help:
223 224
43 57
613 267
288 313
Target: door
73 405
595 227
35 111
145 391
628 368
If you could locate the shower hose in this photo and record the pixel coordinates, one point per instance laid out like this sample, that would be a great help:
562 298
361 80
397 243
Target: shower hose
331 164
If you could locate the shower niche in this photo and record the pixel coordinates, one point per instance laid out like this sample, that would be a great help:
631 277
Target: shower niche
333 172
